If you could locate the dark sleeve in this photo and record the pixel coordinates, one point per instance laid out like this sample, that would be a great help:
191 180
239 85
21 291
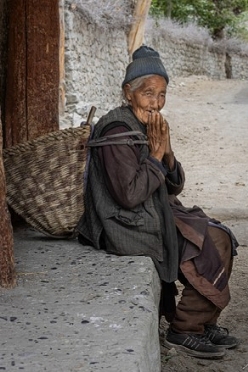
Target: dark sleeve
175 180
129 180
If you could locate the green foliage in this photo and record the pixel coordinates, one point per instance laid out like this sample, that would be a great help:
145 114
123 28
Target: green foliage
216 15
241 30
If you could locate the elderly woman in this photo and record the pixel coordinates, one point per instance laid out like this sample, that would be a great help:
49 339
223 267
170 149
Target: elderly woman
131 208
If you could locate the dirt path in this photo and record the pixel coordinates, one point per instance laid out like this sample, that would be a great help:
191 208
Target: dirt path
209 130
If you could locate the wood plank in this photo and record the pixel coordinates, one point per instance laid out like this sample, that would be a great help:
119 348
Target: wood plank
62 61
7 269
32 83
136 34
15 121
42 67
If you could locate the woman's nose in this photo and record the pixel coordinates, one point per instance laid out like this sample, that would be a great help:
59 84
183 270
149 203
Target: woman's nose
154 102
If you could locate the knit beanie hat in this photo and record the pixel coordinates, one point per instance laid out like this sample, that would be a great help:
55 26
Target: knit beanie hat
146 61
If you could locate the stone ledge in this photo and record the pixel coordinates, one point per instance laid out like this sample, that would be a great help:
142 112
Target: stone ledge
76 308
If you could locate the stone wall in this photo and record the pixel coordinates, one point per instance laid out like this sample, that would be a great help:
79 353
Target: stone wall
239 66
96 58
95 61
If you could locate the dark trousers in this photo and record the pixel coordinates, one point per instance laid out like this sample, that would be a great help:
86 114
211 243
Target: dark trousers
194 310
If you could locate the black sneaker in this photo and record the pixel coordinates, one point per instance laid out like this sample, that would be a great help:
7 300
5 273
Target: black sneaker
219 336
194 345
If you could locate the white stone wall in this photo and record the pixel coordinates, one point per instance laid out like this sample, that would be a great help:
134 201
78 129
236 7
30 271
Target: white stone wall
239 66
180 58
96 58
95 62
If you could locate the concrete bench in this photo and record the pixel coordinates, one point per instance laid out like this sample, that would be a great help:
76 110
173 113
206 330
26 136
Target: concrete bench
78 309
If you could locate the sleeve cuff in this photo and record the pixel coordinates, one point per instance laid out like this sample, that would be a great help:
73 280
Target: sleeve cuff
174 176
162 167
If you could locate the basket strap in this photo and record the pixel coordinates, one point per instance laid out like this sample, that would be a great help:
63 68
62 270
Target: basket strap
116 139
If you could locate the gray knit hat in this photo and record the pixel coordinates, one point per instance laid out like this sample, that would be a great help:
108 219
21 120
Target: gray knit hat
146 61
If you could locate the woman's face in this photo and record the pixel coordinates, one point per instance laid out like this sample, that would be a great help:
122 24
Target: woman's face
149 97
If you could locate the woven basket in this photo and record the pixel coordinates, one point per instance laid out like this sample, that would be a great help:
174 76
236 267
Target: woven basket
45 180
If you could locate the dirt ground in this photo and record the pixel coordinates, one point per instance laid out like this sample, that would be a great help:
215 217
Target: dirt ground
209 134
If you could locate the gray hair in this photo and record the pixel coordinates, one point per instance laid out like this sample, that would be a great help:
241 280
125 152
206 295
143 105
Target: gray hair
134 85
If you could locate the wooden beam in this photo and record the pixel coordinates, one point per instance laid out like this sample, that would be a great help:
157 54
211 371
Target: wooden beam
32 82
61 60
136 34
42 66
15 120
7 269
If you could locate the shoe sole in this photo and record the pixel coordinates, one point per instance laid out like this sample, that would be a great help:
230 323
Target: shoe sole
195 353
227 346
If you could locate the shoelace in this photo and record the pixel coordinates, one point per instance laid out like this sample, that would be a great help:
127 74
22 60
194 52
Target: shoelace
217 329
202 338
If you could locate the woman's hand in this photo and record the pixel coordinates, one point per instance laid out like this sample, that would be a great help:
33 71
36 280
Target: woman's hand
158 133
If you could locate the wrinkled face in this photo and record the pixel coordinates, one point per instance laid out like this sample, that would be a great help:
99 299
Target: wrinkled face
149 97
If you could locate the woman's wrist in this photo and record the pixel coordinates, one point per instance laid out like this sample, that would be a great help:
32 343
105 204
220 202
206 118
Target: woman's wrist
169 159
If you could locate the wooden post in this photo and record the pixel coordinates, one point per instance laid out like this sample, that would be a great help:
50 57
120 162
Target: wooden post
15 120
42 17
7 269
61 59
136 34
32 81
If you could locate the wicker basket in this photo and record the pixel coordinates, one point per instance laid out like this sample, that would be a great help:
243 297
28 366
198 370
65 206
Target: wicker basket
45 180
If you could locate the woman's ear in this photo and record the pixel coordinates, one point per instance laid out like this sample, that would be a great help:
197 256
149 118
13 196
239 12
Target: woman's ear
127 92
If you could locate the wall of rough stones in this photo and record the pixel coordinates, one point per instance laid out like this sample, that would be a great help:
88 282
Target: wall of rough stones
239 66
96 59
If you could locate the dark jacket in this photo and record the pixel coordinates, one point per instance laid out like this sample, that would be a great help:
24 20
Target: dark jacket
128 228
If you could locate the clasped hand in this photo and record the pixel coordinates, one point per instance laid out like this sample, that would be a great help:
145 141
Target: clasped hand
158 133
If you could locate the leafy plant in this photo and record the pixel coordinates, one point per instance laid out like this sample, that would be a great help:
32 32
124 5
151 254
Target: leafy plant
216 15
